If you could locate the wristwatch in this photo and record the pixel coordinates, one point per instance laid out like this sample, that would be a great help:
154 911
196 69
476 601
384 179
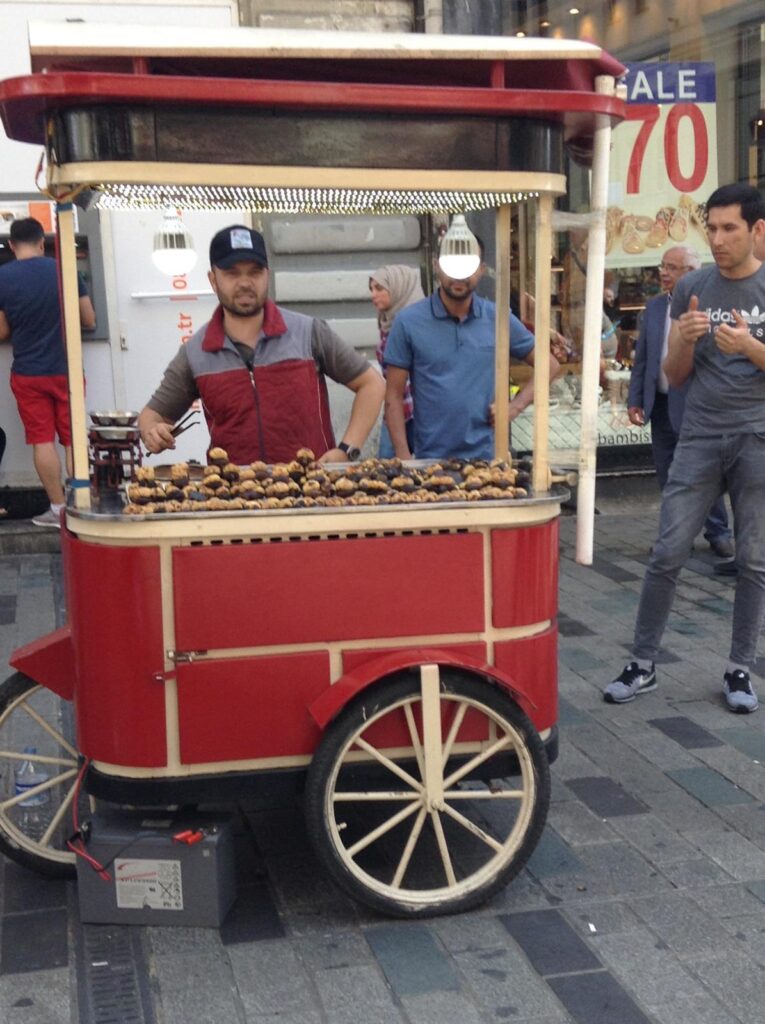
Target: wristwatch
352 453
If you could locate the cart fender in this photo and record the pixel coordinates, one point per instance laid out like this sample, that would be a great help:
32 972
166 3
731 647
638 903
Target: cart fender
49 662
335 698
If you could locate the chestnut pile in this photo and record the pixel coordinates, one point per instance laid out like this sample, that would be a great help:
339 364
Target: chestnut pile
305 483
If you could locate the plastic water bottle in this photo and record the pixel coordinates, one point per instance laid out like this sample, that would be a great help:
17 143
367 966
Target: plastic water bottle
28 775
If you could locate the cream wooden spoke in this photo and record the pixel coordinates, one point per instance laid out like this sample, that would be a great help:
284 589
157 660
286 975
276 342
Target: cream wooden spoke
430 685
347 796
13 755
411 842
484 794
41 788
443 848
386 826
454 729
473 828
33 713
414 736
471 766
59 815
387 763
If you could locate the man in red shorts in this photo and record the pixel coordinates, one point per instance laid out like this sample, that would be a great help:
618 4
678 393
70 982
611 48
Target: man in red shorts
30 317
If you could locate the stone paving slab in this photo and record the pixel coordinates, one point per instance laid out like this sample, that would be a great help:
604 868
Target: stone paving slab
655 839
710 787
411 960
606 798
597 998
46 1002
685 732
577 825
681 923
656 916
550 943
691 1010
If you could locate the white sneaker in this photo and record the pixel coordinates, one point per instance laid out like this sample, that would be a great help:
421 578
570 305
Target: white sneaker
739 695
48 518
630 684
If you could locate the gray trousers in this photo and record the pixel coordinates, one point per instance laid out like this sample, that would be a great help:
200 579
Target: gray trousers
702 469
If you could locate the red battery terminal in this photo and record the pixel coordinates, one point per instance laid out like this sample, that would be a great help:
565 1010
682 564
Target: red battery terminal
189 836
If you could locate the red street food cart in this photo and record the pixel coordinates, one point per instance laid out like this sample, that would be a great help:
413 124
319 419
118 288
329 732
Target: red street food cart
402 658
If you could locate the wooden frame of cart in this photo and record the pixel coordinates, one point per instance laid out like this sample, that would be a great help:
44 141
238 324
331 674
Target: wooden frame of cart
403 656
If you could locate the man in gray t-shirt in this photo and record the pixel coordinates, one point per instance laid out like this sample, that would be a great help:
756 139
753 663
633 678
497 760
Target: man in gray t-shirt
727 390
717 342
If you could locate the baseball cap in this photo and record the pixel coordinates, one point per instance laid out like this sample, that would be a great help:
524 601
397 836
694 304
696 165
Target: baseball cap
236 243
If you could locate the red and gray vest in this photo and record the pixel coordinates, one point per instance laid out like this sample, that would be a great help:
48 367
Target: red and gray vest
268 412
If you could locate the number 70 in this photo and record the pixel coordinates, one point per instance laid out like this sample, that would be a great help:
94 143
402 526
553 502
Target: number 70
649 114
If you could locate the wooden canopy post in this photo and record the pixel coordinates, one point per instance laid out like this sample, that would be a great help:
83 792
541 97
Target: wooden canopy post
502 335
80 481
542 289
593 315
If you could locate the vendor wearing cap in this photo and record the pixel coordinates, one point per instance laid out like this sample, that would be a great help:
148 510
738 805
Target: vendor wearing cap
260 370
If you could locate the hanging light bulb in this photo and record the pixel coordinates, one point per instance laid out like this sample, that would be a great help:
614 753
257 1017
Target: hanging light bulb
460 255
173 252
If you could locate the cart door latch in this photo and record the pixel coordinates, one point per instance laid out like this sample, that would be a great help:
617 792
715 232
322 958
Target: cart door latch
180 658
184 657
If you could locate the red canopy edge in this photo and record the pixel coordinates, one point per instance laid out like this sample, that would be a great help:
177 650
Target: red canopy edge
25 101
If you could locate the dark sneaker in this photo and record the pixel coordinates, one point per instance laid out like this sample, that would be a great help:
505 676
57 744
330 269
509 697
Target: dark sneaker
739 695
721 546
727 567
630 684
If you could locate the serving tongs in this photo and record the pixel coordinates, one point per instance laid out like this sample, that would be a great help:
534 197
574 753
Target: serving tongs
183 424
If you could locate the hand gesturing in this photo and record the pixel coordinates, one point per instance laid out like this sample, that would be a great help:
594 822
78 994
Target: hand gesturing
693 323
734 338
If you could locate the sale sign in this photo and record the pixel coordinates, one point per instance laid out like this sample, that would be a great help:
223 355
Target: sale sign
663 163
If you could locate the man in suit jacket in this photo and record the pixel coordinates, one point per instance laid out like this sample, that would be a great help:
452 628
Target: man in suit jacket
651 399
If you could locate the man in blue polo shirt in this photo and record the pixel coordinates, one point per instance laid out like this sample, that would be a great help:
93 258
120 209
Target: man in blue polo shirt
445 346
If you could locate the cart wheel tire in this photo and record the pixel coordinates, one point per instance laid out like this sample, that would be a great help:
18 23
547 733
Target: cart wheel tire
32 716
440 823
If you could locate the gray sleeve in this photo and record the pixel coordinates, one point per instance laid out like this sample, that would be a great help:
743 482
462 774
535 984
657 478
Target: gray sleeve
680 299
335 357
177 389
689 284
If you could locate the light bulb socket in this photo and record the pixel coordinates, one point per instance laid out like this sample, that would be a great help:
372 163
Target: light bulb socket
459 255
173 251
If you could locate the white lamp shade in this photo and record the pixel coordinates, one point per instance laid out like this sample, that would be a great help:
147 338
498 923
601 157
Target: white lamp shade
173 251
460 254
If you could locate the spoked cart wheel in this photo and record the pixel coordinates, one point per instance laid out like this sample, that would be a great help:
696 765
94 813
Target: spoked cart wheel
428 793
34 719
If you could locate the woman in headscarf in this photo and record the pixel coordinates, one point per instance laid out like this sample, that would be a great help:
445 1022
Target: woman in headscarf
392 288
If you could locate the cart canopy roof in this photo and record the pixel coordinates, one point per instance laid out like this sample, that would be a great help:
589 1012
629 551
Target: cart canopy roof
484 111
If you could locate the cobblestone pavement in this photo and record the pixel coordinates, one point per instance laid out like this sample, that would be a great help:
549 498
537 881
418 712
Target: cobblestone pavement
644 901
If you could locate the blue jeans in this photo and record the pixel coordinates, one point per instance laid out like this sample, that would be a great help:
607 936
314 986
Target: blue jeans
386 445
663 443
702 469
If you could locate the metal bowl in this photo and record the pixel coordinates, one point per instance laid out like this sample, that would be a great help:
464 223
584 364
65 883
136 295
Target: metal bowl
115 433
114 418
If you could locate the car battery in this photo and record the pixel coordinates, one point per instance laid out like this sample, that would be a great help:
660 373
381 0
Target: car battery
158 869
